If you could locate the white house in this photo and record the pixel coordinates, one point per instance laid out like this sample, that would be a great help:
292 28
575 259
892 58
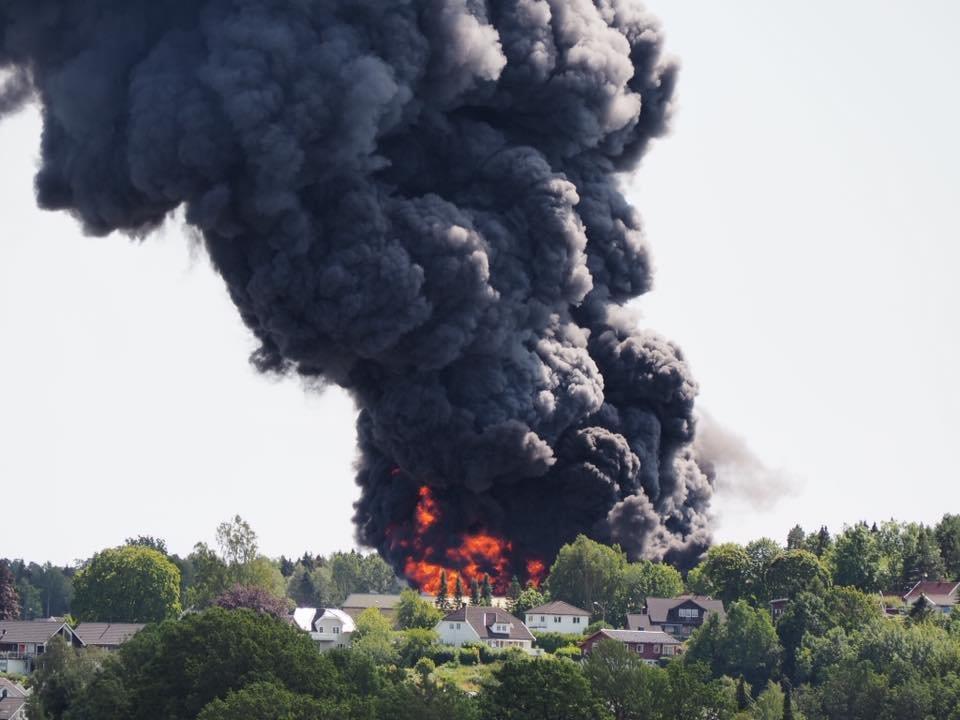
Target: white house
328 627
490 626
13 700
558 617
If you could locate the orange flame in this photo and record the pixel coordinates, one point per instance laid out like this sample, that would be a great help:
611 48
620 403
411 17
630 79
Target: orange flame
479 554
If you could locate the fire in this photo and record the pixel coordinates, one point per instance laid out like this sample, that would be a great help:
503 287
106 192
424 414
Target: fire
477 555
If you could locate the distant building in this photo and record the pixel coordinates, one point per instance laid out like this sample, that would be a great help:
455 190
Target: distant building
778 607
109 636
328 627
943 596
557 616
13 700
23 641
678 616
356 603
488 625
651 645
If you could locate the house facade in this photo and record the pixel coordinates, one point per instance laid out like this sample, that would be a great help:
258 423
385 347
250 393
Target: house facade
488 625
778 607
558 617
943 596
678 616
329 628
651 645
23 641
108 636
356 603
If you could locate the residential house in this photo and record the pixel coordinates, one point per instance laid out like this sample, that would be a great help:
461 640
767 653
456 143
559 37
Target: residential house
651 645
678 616
559 617
356 603
22 641
944 596
328 627
778 607
109 636
488 625
13 700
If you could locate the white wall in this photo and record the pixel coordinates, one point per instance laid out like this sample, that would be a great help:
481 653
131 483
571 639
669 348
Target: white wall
456 632
568 624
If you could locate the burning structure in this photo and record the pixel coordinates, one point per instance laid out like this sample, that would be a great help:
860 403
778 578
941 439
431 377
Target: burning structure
416 200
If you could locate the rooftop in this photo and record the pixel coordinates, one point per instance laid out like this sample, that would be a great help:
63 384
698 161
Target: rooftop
107 634
638 636
483 620
557 607
29 631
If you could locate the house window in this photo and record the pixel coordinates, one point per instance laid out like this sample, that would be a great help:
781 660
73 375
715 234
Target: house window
320 629
458 626
543 619
556 618
640 647
576 620
451 626
656 649
336 631
668 649
689 612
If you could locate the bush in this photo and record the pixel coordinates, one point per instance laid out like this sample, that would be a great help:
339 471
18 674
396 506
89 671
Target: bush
469 656
551 641
594 626
569 651
442 654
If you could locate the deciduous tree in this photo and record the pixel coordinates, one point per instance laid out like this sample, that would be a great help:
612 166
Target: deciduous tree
9 598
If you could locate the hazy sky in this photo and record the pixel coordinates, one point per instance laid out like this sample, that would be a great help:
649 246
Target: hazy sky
803 216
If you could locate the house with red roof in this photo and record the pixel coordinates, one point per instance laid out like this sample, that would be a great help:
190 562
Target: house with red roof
943 596
652 646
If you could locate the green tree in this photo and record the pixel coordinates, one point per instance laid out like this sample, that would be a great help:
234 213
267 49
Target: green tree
587 574
793 572
769 704
415 644
820 542
442 591
855 559
238 545
267 701
796 538
513 592
415 612
948 538
529 598
806 613
726 572
627 687
127 584
850 609
62 673
691 695
641 580
373 638
148 541
923 562
210 577
475 593
486 592
542 689
458 592
762 554
172 671
746 644
9 598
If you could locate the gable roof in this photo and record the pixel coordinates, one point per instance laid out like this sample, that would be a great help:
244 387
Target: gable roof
12 688
31 631
11 707
658 608
557 607
934 590
371 600
637 636
483 620
107 634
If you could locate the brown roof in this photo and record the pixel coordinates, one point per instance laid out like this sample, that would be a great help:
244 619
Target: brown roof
637 636
932 588
29 631
557 607
13 690
371 600
10 706
483 619
657 608
107 634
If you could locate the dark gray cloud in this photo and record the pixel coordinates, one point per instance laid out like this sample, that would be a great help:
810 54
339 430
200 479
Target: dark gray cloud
417 200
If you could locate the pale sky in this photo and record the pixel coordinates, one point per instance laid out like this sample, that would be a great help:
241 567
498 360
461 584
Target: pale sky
803 217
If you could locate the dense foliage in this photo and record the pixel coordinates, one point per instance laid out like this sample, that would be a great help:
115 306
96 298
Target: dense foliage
127 584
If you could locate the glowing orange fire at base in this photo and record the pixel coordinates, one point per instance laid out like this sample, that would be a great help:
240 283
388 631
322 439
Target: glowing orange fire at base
479 554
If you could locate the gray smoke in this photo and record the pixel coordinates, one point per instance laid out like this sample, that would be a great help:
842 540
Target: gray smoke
417 200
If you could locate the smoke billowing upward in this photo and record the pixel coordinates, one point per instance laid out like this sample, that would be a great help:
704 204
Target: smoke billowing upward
417 200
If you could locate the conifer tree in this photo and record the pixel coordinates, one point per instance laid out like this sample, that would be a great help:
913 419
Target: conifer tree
787 702
442 591
486 592
474 592
458 594
743 699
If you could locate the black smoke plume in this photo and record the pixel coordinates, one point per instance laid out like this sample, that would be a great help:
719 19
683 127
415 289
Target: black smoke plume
416 200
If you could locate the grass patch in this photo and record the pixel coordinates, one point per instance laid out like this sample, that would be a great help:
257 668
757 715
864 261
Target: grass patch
468 678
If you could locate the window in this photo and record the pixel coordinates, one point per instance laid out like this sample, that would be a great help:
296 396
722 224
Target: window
640 647
458 626
576 620
320 629
668 649
656 649
451 626
543 619
689 612
556 618
336 630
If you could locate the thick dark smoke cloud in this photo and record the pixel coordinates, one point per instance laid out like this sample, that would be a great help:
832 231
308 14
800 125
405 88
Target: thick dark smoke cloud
417 200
